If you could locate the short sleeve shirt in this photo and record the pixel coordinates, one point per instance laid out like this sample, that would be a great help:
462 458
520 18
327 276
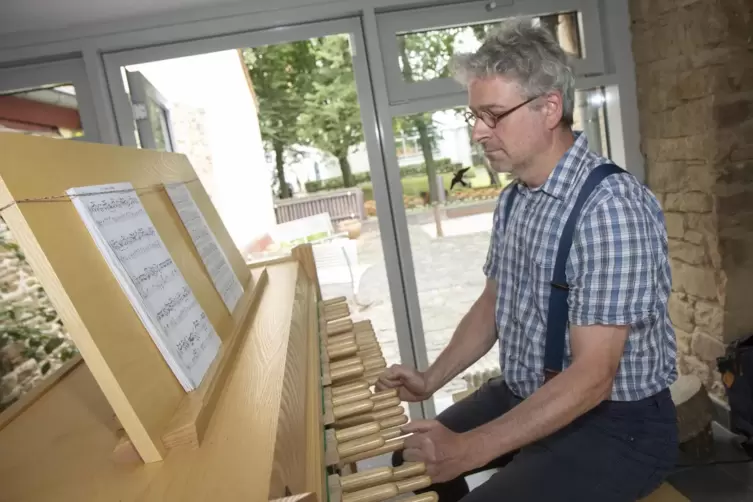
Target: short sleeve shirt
617 271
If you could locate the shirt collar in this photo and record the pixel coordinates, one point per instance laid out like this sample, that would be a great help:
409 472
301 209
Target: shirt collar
562 179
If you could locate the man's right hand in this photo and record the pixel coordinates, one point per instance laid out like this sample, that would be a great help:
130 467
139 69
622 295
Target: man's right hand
411 385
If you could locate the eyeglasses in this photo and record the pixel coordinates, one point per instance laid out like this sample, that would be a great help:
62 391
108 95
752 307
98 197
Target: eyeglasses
491 121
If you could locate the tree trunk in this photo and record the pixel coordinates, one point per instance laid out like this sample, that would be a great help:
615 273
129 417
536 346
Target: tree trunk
493 175
423 128
345 169
284 189
426 148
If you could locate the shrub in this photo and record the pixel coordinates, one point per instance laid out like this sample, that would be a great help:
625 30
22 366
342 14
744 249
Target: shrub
442 166
368 191
335 183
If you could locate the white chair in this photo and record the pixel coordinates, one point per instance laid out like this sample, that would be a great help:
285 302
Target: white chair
337 263
316 228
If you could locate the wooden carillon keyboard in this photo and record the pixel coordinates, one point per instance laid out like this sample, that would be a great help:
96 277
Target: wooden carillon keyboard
359 423
283 409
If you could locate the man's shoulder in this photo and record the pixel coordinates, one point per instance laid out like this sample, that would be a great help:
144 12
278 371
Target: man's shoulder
622 188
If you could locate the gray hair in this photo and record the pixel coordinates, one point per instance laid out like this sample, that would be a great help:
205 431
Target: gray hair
530 54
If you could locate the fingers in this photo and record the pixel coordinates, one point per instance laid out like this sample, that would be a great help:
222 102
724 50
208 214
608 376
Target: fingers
384 383
433 472
412 442
390 378
418 426
419 448
399 372
413 455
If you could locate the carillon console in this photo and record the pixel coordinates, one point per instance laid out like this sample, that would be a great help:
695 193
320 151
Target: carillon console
287 407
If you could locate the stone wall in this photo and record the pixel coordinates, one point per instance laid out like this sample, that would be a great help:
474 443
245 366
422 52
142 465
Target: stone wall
694 73
33 342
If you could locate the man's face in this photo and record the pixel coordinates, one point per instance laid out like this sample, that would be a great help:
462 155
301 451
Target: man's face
509 140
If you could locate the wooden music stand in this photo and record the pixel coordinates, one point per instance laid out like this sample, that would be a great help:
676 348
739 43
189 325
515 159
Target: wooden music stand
98 429
152 408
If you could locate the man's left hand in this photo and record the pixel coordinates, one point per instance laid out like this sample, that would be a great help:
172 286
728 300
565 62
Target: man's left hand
443 451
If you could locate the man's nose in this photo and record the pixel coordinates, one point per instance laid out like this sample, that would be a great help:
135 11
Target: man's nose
480 132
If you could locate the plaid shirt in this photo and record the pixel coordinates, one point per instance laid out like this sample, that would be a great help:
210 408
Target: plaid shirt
618 273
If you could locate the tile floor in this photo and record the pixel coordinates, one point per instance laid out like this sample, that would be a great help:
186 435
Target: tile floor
717 483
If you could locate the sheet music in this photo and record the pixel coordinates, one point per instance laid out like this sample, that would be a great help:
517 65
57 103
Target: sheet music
124 233
214 258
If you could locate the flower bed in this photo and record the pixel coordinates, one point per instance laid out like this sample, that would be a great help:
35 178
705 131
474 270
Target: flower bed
455 197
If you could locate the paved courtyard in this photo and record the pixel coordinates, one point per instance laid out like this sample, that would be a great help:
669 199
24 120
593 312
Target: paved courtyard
449 278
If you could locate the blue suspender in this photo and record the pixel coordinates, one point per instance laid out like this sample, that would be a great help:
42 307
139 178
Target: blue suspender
557 316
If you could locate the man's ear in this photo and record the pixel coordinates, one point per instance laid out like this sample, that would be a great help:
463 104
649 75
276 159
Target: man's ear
553 109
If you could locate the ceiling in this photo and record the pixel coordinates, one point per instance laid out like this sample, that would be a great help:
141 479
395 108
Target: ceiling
42 15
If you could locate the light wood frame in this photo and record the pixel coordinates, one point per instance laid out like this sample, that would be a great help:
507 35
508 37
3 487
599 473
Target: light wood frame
120 354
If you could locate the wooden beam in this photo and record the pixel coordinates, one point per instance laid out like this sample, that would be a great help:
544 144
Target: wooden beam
35 113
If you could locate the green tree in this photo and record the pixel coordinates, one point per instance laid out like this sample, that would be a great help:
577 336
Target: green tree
282 78
425 56
332 122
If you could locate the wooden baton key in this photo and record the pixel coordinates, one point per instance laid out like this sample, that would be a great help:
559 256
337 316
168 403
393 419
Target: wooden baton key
333 413
373 484
347 388
333 301
423 497
330 375
389 446
339 327
343 443
379 475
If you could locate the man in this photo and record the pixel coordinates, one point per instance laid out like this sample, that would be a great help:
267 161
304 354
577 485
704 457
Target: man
599 423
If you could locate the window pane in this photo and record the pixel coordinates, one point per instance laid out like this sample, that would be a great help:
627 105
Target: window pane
275 135
590 117
425 55
50 111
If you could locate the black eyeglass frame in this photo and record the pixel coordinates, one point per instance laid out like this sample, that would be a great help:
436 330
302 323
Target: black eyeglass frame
470 117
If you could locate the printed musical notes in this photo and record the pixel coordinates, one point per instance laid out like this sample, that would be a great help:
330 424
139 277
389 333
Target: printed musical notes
212 255
138 258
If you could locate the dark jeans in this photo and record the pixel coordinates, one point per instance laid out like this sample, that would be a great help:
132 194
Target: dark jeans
619 451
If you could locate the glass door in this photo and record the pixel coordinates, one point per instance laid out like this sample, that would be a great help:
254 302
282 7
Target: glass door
280 127
151 112
449 191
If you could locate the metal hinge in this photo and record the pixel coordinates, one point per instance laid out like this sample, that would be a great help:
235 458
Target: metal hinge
139 111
